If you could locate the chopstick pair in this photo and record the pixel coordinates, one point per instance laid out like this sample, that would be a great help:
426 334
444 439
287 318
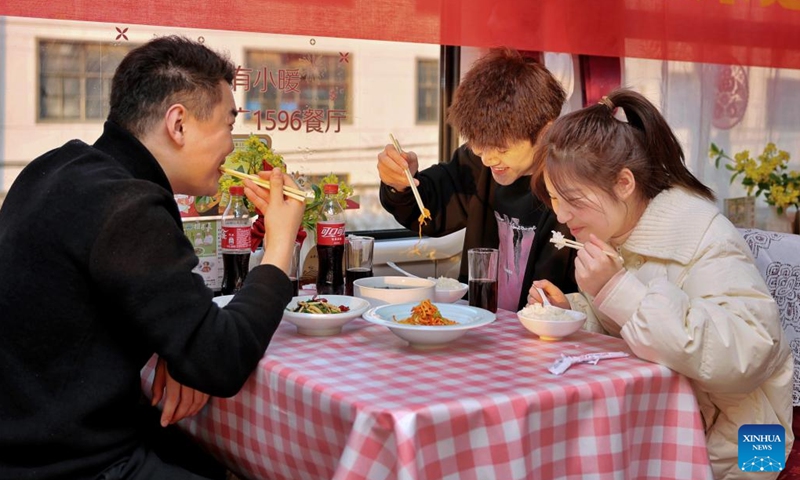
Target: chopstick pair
410 178
290 192
560 241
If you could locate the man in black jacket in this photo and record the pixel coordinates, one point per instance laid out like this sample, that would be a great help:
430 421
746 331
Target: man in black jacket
500 107
97 275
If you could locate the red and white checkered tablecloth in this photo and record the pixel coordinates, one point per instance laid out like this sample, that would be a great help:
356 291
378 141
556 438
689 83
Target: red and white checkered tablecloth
364 405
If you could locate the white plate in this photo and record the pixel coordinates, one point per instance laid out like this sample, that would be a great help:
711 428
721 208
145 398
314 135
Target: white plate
324 324
423 336
315 324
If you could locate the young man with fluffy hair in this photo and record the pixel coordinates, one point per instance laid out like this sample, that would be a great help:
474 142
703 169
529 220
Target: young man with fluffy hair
499 108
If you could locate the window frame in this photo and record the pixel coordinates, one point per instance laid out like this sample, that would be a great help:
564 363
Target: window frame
82 75
449 141
249 118
418 64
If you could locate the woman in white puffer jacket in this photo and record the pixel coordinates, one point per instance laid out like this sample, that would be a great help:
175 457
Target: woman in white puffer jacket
683 290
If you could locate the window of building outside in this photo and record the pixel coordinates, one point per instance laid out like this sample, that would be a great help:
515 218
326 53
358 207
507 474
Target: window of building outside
317 86
427 91
328 104
75 79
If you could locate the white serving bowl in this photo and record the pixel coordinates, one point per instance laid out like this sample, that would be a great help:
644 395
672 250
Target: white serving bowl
317 324
443 295
551 330
324 324
421 336
385 290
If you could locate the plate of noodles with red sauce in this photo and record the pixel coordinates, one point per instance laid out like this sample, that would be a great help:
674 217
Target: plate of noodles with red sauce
429 324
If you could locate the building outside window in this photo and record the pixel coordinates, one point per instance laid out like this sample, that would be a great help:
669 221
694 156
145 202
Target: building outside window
332 102
75 79
427 91
292 89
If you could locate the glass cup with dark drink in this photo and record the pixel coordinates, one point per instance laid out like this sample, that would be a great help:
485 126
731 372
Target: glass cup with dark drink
295 268
358 252
482 264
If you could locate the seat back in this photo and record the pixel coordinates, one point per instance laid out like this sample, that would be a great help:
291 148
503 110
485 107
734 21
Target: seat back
777 257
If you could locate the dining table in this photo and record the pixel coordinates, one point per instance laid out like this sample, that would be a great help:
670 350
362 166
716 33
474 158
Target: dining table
363 404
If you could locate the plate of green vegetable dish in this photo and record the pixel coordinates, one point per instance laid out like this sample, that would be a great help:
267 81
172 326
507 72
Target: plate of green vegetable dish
323 315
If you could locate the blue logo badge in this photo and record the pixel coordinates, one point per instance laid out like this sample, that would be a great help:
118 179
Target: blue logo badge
762 448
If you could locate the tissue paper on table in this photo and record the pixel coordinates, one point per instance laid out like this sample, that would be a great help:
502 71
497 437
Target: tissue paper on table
562 364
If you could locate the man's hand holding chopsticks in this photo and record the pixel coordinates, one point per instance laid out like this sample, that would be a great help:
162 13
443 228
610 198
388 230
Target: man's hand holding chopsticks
391 165
282 216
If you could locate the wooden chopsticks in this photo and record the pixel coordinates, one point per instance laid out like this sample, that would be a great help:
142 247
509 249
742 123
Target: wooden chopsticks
567 243
410 179
290 192
561 242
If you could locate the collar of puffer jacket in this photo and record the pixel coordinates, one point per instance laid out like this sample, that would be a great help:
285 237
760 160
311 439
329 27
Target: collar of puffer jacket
672 226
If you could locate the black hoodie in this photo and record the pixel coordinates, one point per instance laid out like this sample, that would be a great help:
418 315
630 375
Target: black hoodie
462 194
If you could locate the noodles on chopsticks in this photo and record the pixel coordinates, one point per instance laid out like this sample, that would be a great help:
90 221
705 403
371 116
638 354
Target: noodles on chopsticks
425 214
423 220
425 314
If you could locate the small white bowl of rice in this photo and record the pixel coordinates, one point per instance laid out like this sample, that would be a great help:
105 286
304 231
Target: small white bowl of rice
550 323
448 290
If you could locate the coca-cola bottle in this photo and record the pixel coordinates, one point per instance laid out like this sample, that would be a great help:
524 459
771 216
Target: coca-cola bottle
235 241
330 243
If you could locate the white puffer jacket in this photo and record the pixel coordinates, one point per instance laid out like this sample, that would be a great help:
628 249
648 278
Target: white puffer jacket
693 300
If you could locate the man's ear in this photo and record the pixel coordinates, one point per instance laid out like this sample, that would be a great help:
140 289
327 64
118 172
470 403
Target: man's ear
175 119
626 184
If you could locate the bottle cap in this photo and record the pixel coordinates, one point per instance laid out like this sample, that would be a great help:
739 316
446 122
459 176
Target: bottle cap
330 188
236 190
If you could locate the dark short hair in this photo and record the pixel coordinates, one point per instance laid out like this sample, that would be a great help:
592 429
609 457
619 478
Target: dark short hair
165 71
505 97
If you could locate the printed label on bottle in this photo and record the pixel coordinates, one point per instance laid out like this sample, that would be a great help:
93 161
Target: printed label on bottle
330 234
235 238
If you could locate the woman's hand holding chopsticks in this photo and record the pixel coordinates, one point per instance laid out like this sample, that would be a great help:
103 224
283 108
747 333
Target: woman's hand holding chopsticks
593 267
282 216
560 242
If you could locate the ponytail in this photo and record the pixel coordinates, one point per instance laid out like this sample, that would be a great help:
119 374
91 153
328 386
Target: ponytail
660 144
592 146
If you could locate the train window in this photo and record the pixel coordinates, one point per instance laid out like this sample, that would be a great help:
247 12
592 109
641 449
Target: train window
328 104
318 85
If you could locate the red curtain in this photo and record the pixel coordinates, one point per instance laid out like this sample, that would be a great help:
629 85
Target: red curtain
600 76
745 32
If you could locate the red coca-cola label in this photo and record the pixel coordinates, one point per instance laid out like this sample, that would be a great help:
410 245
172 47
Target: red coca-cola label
330 234
235 238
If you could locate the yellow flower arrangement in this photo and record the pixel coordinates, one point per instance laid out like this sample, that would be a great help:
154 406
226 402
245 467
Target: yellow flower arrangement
766 174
